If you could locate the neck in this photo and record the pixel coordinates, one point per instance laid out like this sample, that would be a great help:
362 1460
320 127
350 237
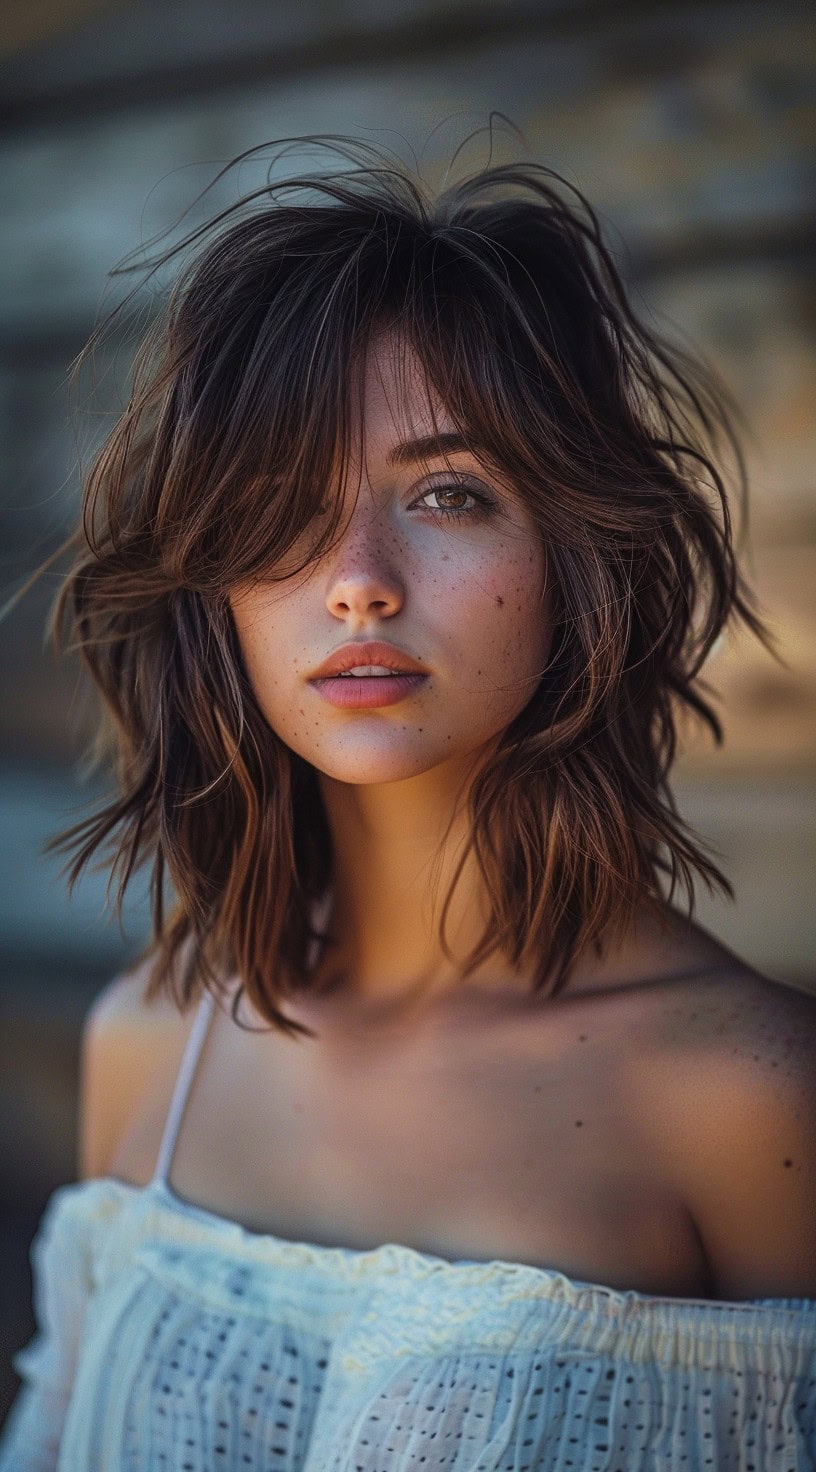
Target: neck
396 847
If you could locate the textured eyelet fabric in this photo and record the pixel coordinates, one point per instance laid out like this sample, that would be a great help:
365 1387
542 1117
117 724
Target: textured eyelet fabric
170 1339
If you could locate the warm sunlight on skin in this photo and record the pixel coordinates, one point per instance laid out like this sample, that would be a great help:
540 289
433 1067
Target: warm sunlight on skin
465 597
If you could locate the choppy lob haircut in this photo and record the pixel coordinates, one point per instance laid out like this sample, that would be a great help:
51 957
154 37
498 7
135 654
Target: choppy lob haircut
228 453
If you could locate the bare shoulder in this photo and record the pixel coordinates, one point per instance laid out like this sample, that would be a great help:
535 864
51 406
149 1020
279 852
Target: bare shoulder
123 1002
726 1088
128 1046
736 1012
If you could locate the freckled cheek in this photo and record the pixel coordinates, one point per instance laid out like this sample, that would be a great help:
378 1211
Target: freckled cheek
507 613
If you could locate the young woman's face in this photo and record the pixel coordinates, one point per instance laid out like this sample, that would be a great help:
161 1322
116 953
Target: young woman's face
450 571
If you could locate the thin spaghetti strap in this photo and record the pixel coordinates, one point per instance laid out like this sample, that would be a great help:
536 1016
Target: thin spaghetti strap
184 1078
192 1052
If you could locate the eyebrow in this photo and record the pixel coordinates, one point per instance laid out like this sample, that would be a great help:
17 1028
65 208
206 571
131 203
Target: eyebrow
426 446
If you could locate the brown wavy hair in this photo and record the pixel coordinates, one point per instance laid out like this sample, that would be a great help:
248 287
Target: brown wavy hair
235 438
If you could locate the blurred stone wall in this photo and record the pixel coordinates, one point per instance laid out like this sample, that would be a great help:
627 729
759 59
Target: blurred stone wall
690 128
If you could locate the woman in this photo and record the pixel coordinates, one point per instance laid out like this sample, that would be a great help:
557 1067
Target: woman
399 570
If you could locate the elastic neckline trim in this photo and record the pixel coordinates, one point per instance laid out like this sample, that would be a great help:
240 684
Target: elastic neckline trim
361 1261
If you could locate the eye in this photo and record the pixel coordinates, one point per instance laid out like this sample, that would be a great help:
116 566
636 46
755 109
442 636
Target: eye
457 492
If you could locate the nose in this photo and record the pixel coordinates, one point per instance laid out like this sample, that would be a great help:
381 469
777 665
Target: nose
362 592
364 579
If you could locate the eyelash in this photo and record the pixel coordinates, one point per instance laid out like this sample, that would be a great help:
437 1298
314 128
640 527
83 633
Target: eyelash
459 513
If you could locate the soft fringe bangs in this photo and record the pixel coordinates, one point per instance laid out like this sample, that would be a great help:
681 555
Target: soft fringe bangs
231 463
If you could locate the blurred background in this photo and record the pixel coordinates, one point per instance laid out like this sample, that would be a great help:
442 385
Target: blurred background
689 126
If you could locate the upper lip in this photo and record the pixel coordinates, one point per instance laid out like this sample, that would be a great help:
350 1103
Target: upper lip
348 656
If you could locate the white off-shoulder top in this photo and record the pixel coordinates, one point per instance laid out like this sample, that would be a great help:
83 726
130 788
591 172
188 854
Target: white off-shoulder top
171 1339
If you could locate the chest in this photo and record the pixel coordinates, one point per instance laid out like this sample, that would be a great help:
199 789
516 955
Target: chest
508 1146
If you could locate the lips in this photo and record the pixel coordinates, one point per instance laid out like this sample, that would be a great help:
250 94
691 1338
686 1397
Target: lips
354 655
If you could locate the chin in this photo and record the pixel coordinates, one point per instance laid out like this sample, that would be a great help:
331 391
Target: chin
366 767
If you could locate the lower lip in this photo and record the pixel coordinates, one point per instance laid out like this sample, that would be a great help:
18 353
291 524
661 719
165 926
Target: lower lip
364 692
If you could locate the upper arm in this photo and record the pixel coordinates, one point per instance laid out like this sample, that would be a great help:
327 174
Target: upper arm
123 1043
753 1190
736 1117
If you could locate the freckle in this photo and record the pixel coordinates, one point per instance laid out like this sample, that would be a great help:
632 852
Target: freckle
578 1123
582 1037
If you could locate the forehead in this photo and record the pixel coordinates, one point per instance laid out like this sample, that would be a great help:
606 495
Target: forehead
393 396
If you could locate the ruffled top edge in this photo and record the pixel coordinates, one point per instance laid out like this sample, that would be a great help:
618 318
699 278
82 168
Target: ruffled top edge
346 1265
